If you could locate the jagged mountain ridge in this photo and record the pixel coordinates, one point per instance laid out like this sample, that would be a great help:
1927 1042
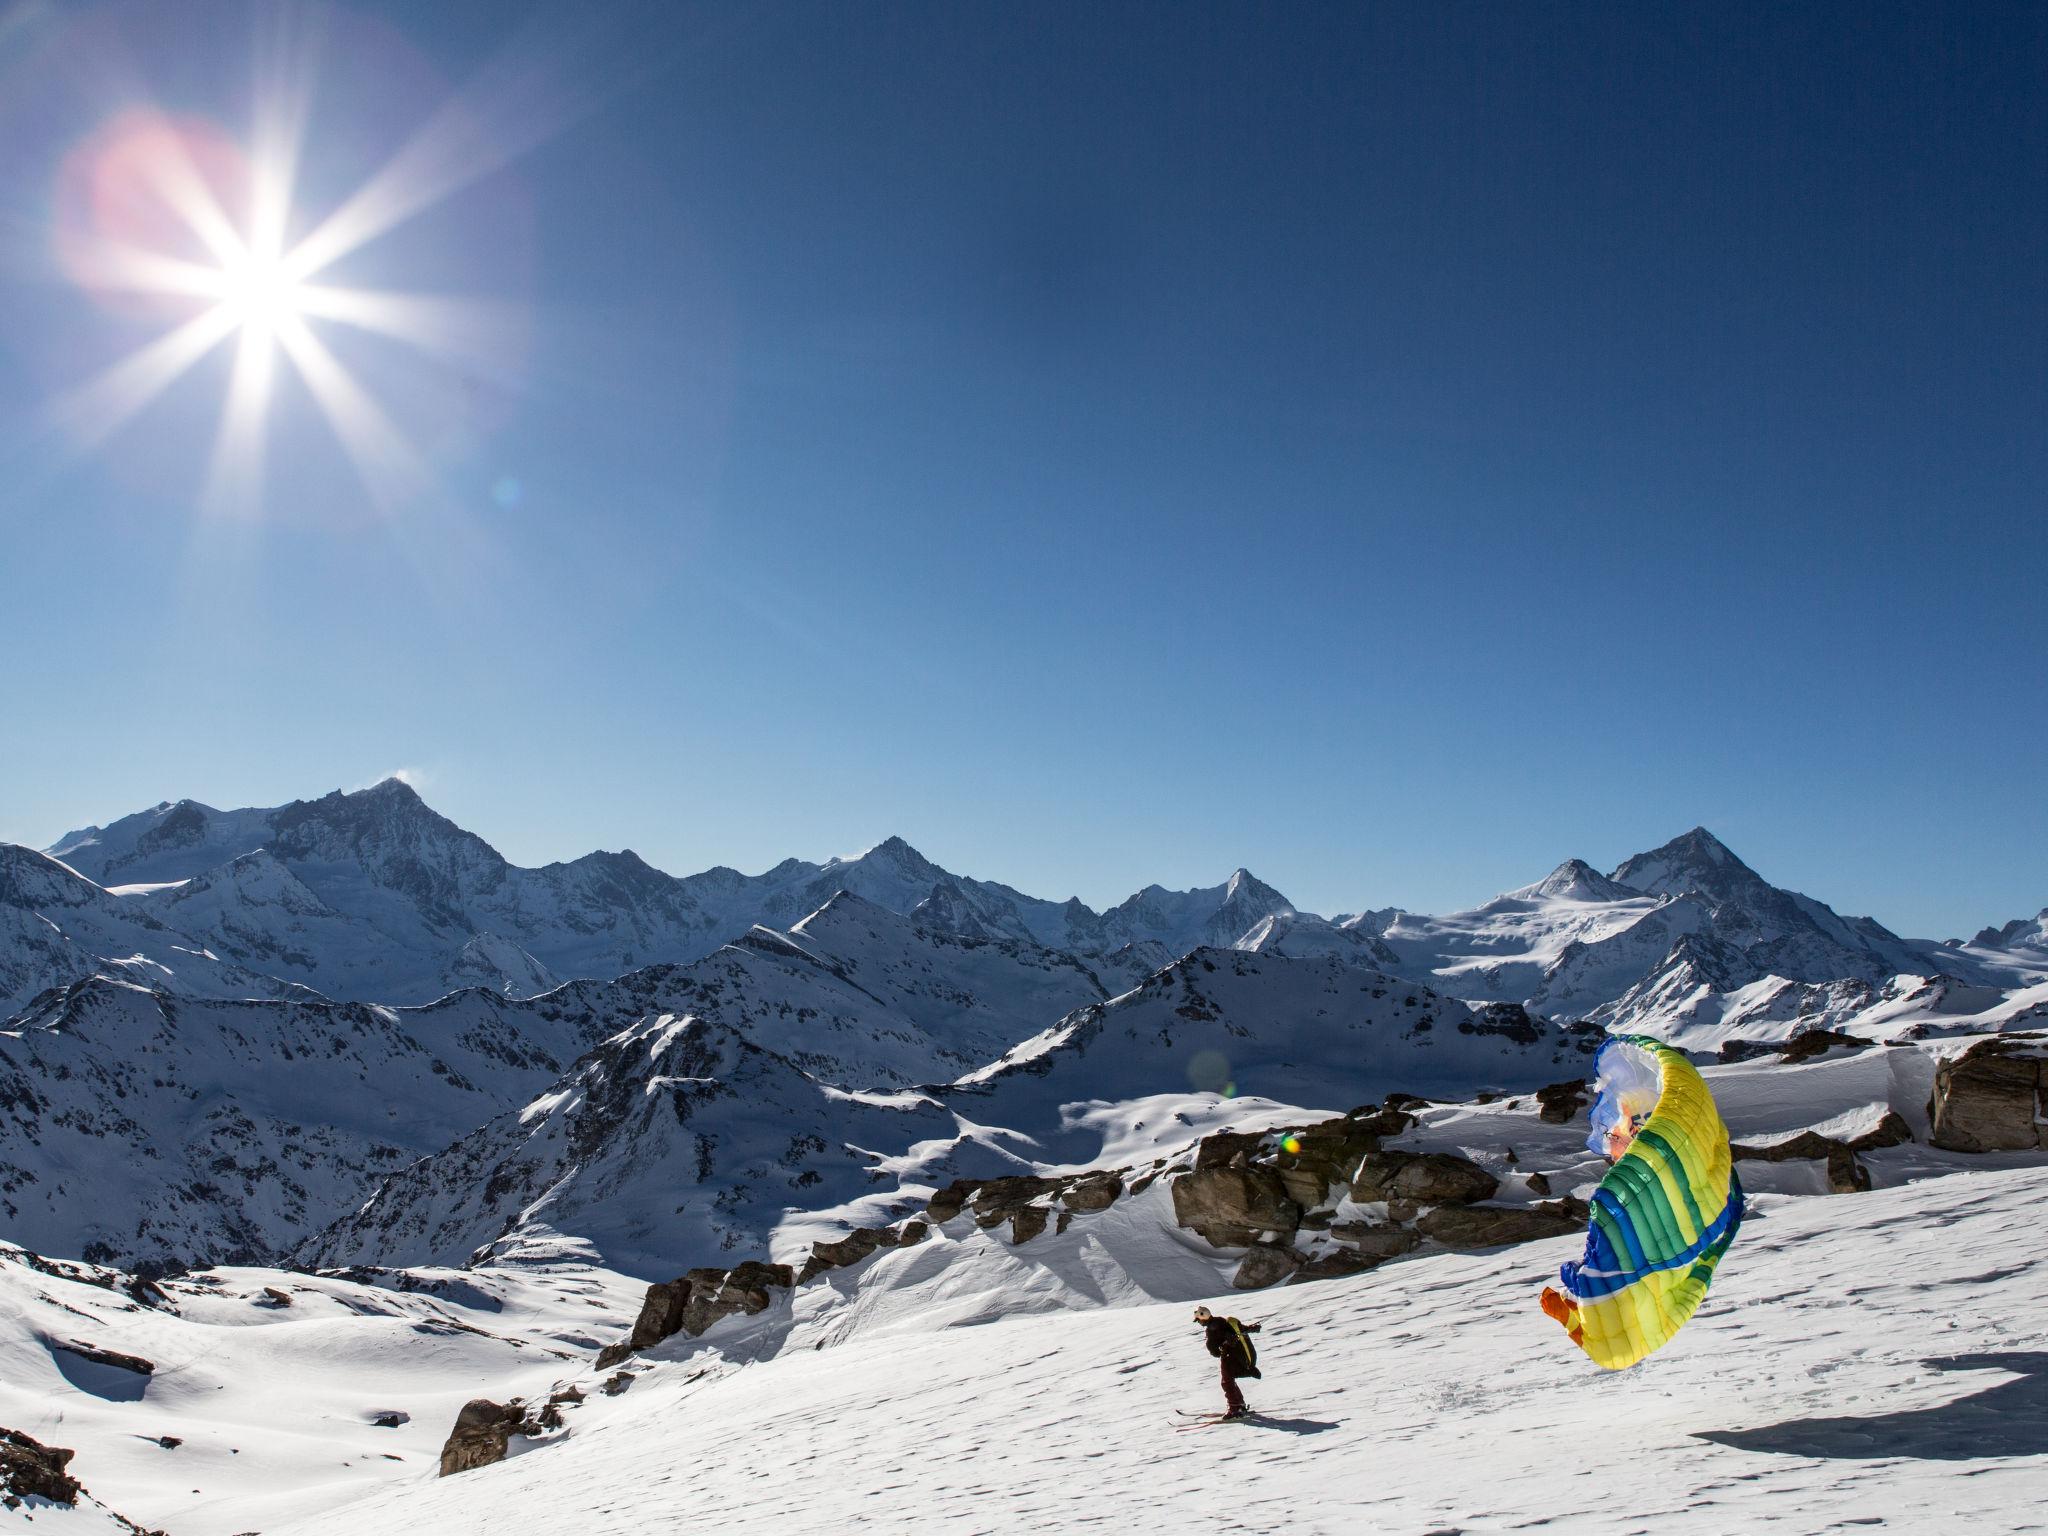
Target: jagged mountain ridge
373 895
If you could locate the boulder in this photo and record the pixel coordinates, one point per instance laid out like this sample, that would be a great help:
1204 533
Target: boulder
1421 1178
273 1297
850 1249
31 1470
1493 1226
612 1354
1026 1222
950 1201
482 1431
1539 1183
1096 1191
1818 1042
1989 1099
1266 1264
1223 1148
1336 1265
618 1382
716 1293
661 1314
1557 1103
998 1200
1235 1207
1370 1240
1382 1120
912 1233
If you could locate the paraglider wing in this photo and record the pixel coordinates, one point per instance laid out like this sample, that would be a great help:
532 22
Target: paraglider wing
1664 1214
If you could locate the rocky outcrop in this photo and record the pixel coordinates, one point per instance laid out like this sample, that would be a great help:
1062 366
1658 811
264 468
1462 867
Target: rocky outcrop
1421 1178
694 1301
1235 1207
482 1432
1558 1102
98 1356
1993 1097
1494 1226
31 1470
1266 1264
1027 1202
1846 1174
1818 1042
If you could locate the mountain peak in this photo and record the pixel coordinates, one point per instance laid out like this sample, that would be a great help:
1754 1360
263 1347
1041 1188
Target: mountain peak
1694 861
1573 880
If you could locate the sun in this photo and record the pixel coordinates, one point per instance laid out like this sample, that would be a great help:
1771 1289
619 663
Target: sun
258 292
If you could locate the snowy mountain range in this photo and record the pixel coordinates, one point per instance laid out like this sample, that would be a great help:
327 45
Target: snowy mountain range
236 1025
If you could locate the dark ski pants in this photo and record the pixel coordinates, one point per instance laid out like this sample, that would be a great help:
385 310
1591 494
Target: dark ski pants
1232 1398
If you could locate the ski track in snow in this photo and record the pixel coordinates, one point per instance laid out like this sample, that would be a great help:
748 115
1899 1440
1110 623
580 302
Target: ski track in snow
1863 1362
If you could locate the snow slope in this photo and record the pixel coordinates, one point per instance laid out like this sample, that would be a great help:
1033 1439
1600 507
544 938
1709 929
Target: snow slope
1862 1361
57 927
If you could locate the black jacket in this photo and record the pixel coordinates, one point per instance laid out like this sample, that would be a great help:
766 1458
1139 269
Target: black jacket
1229 1341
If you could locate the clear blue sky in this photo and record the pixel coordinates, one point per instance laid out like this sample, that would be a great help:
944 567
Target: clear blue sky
1391 447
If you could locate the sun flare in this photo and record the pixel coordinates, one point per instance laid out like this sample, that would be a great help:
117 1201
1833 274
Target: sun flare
172 219
259 292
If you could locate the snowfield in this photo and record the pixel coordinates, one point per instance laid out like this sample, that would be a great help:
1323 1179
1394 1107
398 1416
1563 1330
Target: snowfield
1864 1362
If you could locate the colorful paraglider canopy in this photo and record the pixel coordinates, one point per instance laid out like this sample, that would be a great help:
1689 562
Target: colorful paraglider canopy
1664 1214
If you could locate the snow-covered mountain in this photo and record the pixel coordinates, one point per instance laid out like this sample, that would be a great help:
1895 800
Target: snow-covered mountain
144 1127
57 927
677 1142
373 896
1317 1031
682 1140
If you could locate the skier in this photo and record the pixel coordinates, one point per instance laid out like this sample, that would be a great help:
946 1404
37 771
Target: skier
1229 1341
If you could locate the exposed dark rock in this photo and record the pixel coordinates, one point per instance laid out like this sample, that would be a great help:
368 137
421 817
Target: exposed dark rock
718 1293
1493 1226
1375 1120
1558 1102
913 1232
1376 1242
1224 1148
482 1431
31 1470
850 1249
1425 1178
1235 1207
1818 1042
661 1314
1026 1222
1990 1098
273 1297
1336 1265
1266 1264
1096 1191
112 1357
612 1354
998 1200
1846 1174
1539 1183
947 1203
617 1383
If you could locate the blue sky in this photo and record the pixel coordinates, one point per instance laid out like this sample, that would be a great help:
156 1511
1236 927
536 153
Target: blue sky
1393 448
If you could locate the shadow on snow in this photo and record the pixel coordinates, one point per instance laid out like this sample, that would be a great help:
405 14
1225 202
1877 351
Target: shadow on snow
2010 1419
